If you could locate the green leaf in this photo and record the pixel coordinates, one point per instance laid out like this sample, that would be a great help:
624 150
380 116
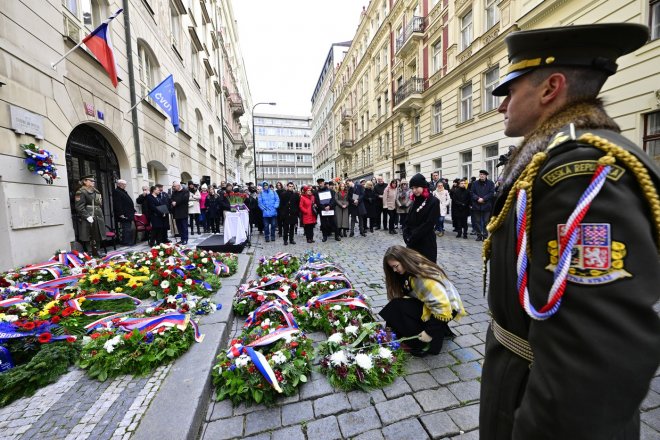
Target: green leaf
303 378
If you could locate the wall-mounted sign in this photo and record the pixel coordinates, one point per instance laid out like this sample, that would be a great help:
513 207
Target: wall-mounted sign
23 121
100 115
89 109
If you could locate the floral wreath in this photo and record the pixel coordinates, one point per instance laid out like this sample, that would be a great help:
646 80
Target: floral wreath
40 161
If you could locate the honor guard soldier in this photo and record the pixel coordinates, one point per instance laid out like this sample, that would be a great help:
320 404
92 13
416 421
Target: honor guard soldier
574 270
91 225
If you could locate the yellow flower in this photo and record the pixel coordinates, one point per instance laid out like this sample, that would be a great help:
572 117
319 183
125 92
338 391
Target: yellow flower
118 289
94 277
44 312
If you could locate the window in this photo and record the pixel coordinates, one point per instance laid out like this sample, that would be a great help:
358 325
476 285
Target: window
401 134
652 136
491 156
491 80
466 164
175 25
466 30
436 120
146 69
437 166
436 61
417 168
90 12
200 127
211 141
379 107
194 66
492 13
368 155
466 103
182 106
416 129
655 19
380 146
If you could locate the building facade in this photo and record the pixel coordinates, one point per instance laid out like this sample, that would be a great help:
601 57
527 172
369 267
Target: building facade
413 92
74 111
284 150
323 129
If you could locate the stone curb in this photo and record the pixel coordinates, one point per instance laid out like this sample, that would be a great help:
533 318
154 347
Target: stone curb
178 408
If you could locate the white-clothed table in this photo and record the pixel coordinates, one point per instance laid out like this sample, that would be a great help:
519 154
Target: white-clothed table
237 226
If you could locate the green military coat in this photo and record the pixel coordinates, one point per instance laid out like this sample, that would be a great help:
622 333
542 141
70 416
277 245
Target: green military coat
89 203
594 358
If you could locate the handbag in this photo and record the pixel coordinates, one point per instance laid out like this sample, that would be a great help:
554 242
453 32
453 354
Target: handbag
191 203
162 209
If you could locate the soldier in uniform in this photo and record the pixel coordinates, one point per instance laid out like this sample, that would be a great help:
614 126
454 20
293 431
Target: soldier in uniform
574 341
88 205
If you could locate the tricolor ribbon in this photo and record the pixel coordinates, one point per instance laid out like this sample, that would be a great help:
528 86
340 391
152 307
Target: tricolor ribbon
53 286
116 255
273 280
12 301
263 366
238 349
266 307
70 259
220 268
281 295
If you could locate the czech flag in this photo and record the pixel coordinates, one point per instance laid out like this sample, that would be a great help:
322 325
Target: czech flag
98 42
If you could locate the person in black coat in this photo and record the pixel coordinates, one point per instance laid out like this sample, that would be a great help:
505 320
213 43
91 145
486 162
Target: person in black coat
279 189
379 189
256 216
179 205
158 217
371 205
418 231
326 202
216 205
460 207
356 208
124 211
289 212
482 193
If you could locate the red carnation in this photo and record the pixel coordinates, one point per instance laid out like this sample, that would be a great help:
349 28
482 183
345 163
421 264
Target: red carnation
29 326
294 344
120 278
96 280
127 336
65 297
53 310
40 298
45 338
70 339
156 282
55 319
166 290
293 295
95 335
68 311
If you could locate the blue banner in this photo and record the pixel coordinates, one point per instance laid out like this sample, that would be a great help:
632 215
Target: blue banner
164 94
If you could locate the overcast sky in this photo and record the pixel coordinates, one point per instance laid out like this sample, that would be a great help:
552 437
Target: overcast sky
285 43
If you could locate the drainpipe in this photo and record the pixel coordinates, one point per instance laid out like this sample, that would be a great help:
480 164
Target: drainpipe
131 87
222 105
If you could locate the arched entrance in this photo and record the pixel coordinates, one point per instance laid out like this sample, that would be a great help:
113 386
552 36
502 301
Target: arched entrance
89 152
185 178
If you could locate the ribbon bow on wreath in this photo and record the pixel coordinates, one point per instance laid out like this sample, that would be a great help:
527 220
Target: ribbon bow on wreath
40 161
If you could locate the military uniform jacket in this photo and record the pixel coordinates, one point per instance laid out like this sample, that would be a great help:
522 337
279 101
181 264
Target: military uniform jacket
89 204
592 360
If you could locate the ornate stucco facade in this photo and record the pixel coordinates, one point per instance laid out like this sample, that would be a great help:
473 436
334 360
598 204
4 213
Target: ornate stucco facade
413 92
86 121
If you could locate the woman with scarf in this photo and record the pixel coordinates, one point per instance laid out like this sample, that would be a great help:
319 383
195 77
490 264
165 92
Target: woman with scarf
442 195
403 201
423 214
341 210
422 300
308 212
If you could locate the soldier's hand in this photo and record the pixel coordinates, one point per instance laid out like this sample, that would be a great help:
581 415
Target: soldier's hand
90 219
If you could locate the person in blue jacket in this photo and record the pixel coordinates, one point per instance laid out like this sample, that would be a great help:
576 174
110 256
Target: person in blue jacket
482 192
268 203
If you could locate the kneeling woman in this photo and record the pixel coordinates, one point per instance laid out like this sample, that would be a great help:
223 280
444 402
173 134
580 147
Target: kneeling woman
422 300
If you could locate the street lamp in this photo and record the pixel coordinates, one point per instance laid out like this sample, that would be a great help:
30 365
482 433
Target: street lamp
254 140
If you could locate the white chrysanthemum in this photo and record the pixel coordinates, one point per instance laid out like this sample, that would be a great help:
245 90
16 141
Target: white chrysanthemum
336 307
10 318
111 343
189 281
351 329
192 304
161 253
385 353
167 272
336 323
152 292
265 322
165 284
242 360
279 358
364 361
287 337
205 260
171 299
338 358
335 337
149 310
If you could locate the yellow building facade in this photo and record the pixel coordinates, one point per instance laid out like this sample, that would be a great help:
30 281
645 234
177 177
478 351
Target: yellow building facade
413 92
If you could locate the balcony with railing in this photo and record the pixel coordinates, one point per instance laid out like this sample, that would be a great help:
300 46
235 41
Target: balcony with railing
346 116
347 141
409 96
236 104
412 34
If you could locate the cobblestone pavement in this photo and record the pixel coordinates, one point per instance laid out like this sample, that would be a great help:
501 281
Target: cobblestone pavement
437 398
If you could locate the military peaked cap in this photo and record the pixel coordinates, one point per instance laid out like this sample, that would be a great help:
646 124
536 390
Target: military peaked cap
594 46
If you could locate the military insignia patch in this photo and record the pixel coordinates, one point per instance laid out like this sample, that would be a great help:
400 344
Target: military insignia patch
596 258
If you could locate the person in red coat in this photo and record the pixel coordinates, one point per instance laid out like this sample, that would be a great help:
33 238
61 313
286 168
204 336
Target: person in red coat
307 209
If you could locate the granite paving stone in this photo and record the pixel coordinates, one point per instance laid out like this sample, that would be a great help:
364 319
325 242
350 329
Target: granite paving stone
432 400
405 430
421 381
376 434
332 404
444 375
465 391
398 409
263 420
324 429
362 399
439 425
472 435
290 433
468 371
297 412
466 418
397 388
357 422
224 429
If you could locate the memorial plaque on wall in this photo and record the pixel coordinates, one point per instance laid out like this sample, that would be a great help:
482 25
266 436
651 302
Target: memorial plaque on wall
26 122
